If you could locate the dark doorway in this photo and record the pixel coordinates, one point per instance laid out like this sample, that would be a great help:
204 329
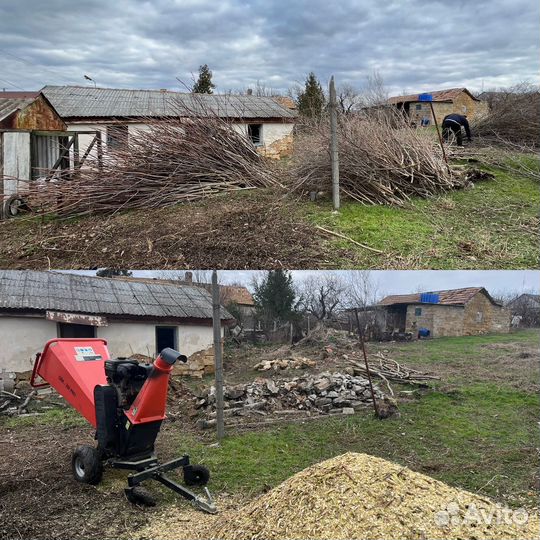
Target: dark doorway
165 337
66 330
255 133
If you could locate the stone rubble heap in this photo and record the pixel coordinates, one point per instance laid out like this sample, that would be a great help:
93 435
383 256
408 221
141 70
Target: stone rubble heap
285 363
325 393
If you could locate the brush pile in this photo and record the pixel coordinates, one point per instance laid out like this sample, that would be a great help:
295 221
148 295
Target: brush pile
382 160
172 161
513 119
362 496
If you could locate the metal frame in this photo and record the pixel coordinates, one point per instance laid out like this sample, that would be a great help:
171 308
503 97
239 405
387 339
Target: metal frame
150 469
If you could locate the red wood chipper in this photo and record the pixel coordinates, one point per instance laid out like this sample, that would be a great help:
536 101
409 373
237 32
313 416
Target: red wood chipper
125 401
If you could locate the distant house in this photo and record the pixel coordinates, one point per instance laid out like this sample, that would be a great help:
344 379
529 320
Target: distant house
134 317
454 100
527 308
454 312
116 113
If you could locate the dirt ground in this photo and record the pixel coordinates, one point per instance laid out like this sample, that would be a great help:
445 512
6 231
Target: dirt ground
39 498
242 230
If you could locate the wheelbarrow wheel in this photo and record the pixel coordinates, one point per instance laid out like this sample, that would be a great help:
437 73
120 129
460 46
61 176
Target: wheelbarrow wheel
196 475
86 465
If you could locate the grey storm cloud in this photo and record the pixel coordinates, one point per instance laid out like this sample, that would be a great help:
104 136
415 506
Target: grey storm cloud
414 45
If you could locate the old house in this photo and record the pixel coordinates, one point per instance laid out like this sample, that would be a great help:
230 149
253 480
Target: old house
32 135
117 113
134 317
453 100
454 312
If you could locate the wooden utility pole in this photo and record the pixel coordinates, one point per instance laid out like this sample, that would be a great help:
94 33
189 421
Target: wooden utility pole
368 372
218 357
334 145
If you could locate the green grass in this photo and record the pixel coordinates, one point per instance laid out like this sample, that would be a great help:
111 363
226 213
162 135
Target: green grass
62 417
492 225
481 439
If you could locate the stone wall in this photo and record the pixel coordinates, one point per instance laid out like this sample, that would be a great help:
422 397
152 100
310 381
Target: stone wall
278 149
479 316
440 320
463 104
482 317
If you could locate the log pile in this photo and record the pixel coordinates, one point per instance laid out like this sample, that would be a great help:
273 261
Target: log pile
172 161
382 160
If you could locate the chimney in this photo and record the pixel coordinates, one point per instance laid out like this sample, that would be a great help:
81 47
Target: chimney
249 92
188 277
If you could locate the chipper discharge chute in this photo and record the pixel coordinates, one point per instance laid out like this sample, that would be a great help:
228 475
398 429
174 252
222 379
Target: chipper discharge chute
125 401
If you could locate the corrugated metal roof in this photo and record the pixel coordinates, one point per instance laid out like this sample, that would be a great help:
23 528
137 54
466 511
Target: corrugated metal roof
102 296
450 297
88 102
438 95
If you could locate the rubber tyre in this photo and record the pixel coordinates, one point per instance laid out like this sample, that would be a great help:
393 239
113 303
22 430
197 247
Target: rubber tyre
86 465
139 495
196 475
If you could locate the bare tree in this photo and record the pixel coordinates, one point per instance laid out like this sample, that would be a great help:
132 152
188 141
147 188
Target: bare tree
323 295
349 98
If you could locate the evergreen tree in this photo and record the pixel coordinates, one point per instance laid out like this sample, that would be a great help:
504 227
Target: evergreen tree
204 84
311 101
274 298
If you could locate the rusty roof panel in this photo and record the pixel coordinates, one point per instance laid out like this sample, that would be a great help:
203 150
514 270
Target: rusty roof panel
56 291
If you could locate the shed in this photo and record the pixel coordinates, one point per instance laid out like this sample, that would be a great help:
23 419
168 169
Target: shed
134 317
452 100
452 312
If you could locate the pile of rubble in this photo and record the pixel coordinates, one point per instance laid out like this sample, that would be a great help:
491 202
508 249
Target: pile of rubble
285 363
326 393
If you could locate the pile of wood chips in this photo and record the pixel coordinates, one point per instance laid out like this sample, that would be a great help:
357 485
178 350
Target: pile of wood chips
361 496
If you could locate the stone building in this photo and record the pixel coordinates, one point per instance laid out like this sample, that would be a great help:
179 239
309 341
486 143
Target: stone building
454 100
455 312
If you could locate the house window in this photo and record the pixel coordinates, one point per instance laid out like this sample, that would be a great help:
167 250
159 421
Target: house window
255 134
479 317
418 106
417 311
166 336
117 136
67 330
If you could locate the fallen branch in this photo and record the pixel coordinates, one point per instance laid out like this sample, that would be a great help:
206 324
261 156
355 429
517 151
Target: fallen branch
339 235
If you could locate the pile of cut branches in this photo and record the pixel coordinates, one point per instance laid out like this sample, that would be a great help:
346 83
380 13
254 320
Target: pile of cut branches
390 370
180 159
513 119
382 160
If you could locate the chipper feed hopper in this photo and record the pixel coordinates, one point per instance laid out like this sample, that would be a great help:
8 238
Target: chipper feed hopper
125 402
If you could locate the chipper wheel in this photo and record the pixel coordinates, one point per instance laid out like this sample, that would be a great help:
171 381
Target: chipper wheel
86 465
196 475
139 495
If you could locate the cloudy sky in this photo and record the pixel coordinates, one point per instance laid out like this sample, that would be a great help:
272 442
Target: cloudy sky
415 45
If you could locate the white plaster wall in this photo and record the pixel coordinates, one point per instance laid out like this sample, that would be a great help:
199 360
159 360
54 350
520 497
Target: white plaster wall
271 131
16 148
126 338
22 337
